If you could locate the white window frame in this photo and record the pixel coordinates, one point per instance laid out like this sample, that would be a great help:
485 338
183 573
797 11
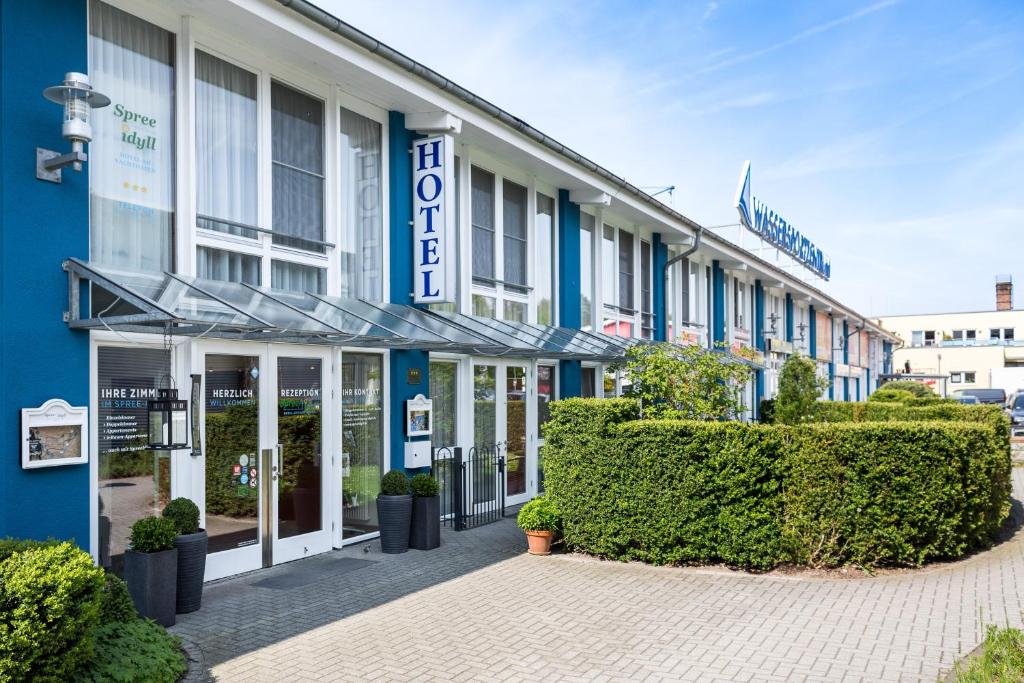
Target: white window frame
604 316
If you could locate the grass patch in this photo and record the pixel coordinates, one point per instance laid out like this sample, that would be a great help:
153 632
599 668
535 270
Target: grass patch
1000 660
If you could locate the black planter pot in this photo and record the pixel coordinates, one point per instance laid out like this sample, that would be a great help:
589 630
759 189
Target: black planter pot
426 523
191 569
152 580
395 516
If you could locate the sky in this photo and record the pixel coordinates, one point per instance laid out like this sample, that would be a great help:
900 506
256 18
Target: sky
890 133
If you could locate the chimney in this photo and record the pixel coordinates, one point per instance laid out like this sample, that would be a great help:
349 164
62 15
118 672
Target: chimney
1004 293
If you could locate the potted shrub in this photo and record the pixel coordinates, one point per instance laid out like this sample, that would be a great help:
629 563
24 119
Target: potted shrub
394 512
151 568
191 543
540 520
426 513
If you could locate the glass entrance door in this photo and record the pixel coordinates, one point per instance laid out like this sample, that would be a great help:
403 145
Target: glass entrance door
362 442
262 457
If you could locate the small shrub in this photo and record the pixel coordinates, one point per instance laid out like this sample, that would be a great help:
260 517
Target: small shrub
540 514
916 388
49 609
9 546
394 483
152 535
766 413
185 515
424 486
799 389
138 651
116 604
892 396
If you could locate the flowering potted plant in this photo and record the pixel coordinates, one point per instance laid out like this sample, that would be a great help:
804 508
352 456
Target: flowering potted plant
151 569
191 543
541 520
426 513
394 512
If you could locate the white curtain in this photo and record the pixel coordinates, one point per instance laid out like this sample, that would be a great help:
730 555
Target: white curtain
297 137
228 266
295 277
362 222
131 158
226 137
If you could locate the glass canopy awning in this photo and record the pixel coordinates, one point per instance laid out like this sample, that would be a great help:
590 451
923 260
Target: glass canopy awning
167 303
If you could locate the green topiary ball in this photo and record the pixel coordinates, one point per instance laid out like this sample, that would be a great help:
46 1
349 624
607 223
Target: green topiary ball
152 535
394 483
424 486
185 515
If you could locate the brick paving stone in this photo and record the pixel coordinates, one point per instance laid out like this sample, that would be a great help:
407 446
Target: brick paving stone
480 609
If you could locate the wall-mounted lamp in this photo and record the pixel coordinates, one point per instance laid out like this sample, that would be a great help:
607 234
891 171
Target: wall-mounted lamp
773 330
802 327
77 97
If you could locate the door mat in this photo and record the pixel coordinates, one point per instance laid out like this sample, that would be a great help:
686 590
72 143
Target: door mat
304 573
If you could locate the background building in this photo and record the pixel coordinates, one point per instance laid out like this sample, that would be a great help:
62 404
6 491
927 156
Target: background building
974 349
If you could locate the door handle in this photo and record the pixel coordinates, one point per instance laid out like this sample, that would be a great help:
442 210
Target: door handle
278 468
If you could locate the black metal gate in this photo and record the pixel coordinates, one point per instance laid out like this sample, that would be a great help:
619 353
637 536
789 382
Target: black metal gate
472 485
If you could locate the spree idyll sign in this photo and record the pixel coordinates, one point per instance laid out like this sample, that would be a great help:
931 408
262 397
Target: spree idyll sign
433 199
773 228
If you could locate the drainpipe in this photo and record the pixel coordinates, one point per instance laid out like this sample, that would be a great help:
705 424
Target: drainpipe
679 257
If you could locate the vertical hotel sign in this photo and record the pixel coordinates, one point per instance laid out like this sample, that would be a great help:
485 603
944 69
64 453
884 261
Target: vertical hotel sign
433 208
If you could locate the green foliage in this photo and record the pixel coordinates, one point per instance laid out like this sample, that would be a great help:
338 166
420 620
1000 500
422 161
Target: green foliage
877 493
1001 659
424 486
394 483
9 546
916 388
685 381
799 389
540 514
766 412
138 651
49 608
152 535
892 396
185 515
116 603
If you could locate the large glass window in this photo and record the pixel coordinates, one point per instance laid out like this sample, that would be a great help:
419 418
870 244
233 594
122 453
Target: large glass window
482 200
229 266
514 235
362 224
295 277
444 393
131 158
546 268
626 270
609 289
227 170
586 270
647 324
134 482
362 441
297 151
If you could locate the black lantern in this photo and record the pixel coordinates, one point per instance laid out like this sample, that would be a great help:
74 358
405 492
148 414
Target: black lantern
168 421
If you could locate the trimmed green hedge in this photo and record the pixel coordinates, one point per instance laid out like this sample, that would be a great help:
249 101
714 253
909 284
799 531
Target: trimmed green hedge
838 411
755 496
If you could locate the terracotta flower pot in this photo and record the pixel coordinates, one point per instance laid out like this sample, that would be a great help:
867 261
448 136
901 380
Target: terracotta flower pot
539 542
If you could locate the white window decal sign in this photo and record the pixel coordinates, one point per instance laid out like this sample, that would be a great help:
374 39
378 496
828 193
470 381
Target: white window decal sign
433 199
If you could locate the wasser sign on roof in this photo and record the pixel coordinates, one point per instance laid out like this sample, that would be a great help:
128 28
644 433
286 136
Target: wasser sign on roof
433 178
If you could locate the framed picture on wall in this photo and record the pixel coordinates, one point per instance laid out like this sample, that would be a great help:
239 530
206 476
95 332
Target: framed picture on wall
418 416
54 434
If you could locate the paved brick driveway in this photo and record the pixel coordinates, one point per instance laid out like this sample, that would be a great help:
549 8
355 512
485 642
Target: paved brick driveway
480 609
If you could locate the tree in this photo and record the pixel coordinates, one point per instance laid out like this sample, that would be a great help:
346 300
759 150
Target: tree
686 382
799 389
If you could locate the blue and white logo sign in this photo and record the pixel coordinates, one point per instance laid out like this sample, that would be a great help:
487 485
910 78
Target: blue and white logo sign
773 228
433 199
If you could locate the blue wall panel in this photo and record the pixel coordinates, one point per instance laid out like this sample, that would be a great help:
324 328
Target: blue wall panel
41 224
569 372
789 317
846 359
718 297
759 342
659 258
813 331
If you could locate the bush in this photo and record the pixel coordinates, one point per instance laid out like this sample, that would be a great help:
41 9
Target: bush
9 546
892 396
424 486
135 652
1001 659
49 608
116 603
394 483
152 535
916 388
185 515
755 496
540 514
799 389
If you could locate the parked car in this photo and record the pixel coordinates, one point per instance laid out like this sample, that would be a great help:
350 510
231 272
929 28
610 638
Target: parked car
1016 408
997 396
970 400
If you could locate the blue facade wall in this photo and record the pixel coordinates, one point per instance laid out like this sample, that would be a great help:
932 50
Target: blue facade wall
400 236
789 317
659 257
813 331
718 296
41 224
846 359
570 374
759 342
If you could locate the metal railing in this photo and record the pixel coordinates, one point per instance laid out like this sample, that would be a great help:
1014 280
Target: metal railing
472 484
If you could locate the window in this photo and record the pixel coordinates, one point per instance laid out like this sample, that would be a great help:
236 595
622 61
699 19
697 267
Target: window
227 172
956 377
295 277
617 280
586 270
1008 334
647 319
917 338
626 271
739 303
544 282
929 337
482 197
513 231
970 334
969 377
608 291
993 334
131 164
297 153
362 218
958 335
228 266
515 310
484 306
588 379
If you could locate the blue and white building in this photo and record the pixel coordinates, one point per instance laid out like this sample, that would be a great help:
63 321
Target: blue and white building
300 230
